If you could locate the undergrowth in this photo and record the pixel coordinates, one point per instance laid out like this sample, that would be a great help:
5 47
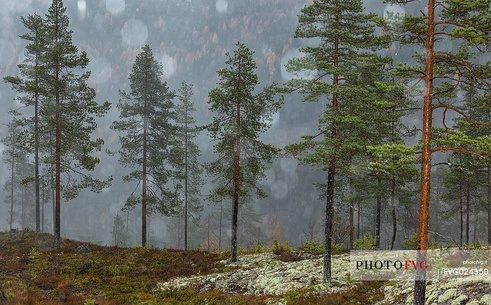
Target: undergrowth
31 273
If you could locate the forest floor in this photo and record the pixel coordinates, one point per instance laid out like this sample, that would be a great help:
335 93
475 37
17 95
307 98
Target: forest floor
83 273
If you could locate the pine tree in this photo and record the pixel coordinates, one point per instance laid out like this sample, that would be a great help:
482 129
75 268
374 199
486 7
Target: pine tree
241 116
345 66
394 163
119 232
479 110
191 176
68 110
443 71
15 157
468 176
149 143
30 85
461 182
375 126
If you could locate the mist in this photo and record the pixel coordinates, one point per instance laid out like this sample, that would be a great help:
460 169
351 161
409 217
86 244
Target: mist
190 39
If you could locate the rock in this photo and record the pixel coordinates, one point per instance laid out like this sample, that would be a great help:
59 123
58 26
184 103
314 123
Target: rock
265 274
83 249
452 291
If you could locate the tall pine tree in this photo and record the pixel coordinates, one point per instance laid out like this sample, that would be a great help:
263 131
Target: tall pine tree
345 64
30 85
69 111
191 176
452 33
149 143
18 195
241 116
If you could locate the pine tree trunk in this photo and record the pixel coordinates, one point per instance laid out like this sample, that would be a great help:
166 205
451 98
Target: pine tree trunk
144 183
329 220
58 142
461 205
331 175
220 229
12 171
474 230
24 204
351 217
209 230
420 281
36 154
425 179
394 217
467 210
42 208
235 204
377 217
186 147
358 222
57 216
489 205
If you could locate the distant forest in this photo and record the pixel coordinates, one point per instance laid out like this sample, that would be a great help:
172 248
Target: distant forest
360 117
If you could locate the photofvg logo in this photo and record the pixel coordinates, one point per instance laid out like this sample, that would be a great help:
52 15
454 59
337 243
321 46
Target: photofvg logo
406 264
387 265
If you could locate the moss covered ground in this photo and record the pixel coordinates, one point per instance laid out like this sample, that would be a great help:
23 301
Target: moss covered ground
83 273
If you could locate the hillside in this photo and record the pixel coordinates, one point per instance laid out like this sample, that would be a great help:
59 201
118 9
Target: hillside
82 273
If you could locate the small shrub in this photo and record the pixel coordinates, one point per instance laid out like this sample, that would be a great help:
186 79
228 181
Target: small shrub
472 246
337 249
90 302
115 270
277 249
364 293
412 243
312 247
365 243
260 248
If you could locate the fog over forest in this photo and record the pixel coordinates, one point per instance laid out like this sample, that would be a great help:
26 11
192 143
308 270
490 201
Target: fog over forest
190 38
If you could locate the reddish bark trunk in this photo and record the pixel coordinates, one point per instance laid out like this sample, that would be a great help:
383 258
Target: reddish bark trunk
424 198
